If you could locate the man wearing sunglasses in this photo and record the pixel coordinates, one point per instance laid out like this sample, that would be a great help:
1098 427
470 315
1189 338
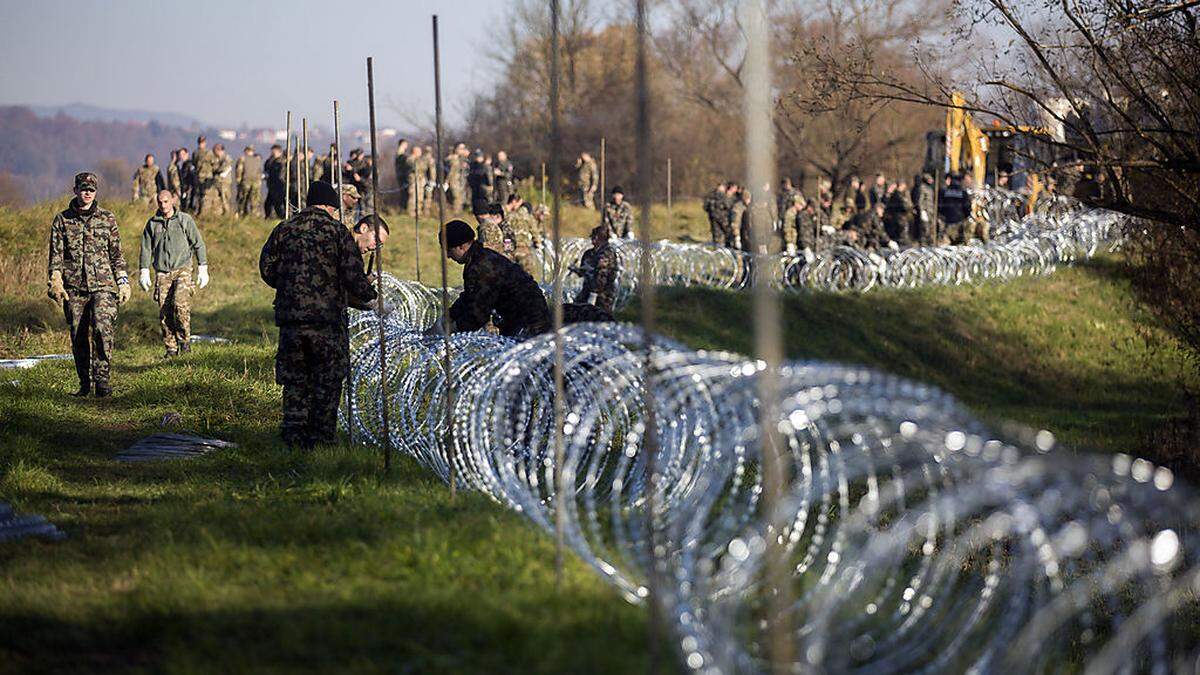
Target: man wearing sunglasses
87 276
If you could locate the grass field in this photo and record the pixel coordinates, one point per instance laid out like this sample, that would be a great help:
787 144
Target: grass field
257 559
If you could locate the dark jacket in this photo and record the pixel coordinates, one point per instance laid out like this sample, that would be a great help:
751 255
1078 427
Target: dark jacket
954 204
495 284
316 269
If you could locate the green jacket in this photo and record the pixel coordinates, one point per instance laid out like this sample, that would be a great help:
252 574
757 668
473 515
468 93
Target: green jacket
168 243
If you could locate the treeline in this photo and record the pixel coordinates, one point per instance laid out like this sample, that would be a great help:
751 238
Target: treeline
695 67
39 155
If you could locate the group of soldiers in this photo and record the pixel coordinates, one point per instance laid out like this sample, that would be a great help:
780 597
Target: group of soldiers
472 179
872 215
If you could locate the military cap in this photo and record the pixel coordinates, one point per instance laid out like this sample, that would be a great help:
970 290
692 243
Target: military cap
86 180
321 193
458 233
350 191
248 147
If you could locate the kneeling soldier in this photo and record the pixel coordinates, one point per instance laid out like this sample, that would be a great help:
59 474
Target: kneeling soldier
316 269
169 242
493 284
87 277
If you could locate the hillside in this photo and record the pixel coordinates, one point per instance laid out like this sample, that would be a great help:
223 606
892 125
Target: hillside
255 558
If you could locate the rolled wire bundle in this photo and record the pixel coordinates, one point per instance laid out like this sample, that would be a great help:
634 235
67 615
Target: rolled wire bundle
914 538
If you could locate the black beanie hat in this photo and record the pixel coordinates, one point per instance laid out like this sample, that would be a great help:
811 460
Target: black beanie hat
617 190
458 233
321 193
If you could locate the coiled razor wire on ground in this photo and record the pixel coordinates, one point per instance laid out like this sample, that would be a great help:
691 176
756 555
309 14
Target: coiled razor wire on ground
1060 231
919 540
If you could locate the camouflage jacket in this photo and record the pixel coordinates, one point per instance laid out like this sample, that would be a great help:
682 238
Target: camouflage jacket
493 284
599 266
316 269
86 248
618 218
168 244
249 170
174 183
147 181
206 163
496 237
717 205
524 228
223 169
456 171
586 174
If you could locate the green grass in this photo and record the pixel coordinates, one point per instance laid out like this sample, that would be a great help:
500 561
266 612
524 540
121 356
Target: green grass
256 559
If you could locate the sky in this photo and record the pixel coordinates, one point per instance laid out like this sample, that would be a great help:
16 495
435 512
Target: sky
234 62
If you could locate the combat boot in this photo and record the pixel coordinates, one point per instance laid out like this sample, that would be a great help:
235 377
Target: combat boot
103 391
85 388
185 347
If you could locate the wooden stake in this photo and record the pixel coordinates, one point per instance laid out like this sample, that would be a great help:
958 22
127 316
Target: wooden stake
302 165
441 179
378 256
287 168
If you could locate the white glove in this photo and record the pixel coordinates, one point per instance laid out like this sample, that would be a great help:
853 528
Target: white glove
894 246
924 216
809 256
202 276
144 279
591 299
629 235
828 229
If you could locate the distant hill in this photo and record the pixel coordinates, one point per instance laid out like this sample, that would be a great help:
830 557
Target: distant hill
42 153
90 113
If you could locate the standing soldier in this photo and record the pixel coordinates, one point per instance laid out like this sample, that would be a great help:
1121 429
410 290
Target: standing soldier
786 197
173 177
598 267
525 231
404 172
274 169
205 174
188 181
169 242
588 179
316 269
87 276
716 205
479 181
618 215
320 169
456 169
897 214
147 181
503 185
222 182
924 216
249 173
418 180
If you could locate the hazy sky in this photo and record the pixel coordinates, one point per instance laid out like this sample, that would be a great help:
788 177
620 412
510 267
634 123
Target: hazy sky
229 62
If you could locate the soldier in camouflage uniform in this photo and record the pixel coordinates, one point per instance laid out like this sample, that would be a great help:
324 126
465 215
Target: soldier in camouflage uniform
174 183
502 186
924 215
218 200
598 267
249 175
205 164
493 288
526 233
493 231
457 167
716 206
86 275
316 269
587 177
147 181
618 215
169 242
418 181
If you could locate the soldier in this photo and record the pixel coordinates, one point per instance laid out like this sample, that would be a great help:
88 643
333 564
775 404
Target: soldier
618 215
504 178
404 172
364 237
173 183
218 200
599 268
479 181
320 169
457 168
147 181
249 174
493 285
188 181
316 269
796 230
274 170
86 275
897 214
588 178
871 231
739 221
350 202
493 231
878 193
954 207
786 197
716 206
205 173
924 217
526 233
420 184
169 242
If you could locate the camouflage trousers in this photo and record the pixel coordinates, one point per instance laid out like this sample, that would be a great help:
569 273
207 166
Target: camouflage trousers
311 363
249 195
417 199
173 292
523 256
92 318
214 200
587 198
